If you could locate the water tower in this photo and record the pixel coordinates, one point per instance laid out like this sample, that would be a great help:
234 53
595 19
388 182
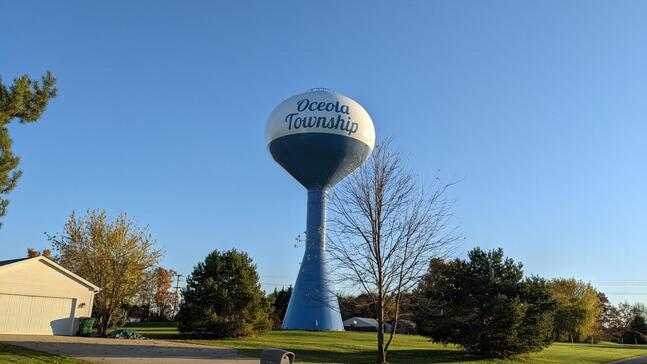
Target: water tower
319 137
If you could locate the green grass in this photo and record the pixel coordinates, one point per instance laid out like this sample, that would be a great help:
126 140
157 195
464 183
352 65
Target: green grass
359 347
155 330
17 354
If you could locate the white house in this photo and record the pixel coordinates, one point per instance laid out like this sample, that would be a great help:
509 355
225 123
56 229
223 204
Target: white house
363 324
39 297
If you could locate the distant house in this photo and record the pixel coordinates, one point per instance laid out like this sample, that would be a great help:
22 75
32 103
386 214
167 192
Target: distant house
370 324
406 327
363 324
39 297
137 314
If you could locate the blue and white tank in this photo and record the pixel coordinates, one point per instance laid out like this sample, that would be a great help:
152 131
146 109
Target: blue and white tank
320 137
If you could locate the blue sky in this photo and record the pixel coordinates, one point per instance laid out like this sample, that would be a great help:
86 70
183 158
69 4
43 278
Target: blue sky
538 107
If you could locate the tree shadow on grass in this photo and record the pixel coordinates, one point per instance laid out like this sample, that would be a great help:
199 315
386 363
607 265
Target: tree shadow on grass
165 336
369 356
605 346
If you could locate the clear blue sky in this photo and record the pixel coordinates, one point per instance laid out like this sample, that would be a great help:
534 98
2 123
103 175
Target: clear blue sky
539 107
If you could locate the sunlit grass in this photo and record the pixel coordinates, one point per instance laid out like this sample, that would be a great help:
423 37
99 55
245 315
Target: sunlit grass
359 347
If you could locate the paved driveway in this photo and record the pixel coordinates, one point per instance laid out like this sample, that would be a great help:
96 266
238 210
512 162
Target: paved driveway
102 350
636 360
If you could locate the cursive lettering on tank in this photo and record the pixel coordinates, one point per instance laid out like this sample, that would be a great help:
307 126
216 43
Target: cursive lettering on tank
342 121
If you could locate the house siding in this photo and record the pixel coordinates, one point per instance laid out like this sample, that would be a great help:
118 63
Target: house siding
37 278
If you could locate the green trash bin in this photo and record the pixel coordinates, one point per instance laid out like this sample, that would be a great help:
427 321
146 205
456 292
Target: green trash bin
85 326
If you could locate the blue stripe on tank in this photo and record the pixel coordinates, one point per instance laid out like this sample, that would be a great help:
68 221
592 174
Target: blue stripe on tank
318 160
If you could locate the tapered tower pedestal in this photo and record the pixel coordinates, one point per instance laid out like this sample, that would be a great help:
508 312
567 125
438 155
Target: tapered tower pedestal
319 137
313 305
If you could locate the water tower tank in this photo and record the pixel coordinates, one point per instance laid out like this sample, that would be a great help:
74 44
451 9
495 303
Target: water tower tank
319 137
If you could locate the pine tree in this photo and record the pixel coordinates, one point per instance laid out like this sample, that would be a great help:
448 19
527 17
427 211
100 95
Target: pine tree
223 298
638 333
280 300
638 324
485 305
25 100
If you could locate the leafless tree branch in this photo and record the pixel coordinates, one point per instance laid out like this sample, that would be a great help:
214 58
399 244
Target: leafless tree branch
383 231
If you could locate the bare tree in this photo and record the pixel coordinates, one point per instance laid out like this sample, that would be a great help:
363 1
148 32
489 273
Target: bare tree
385 228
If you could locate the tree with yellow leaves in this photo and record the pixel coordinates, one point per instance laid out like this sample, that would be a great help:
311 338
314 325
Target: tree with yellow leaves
578 309
115 255
163 298
31 253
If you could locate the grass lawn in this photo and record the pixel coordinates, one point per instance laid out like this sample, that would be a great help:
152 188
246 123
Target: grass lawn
358 347
17 354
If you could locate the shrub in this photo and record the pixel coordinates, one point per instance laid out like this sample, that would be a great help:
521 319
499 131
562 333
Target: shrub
578 309
638 332
223 298
279 301
485 306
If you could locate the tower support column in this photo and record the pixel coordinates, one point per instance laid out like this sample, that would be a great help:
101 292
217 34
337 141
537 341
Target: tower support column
313 304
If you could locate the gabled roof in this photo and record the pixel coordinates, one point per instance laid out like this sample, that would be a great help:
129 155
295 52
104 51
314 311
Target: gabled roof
6 263
10 261
361 321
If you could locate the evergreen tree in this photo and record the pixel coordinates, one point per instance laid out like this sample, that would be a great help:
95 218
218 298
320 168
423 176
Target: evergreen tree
638 333
638 325
280 300
484 305
223 298
26 101
362 305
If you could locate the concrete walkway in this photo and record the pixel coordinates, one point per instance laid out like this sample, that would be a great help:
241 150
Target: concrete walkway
102 350
636 360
